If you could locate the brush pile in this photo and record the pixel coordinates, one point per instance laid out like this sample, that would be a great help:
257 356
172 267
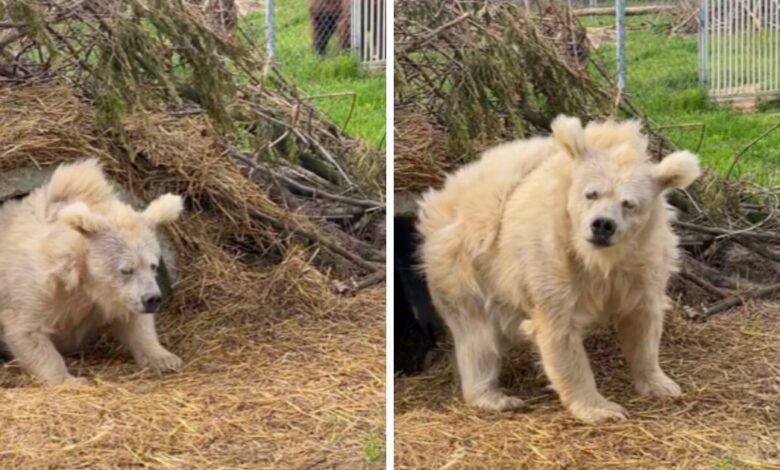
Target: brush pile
485 73
281 207
470 75
685 18
174 103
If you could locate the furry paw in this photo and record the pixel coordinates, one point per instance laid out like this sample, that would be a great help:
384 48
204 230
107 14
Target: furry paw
76 382
160 361
496 401
602 410
69 382
659 385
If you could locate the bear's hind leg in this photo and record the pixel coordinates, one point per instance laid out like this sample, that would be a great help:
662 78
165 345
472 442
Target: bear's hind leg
37 354
478 355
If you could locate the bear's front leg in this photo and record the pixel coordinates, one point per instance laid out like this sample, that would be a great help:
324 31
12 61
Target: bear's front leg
566 364
640 337
139 335
37 354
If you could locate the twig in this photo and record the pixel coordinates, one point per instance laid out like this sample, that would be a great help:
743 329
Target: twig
748 146
318 239
351 94
724 233
760 250
610 11
703 284
307 190
352 286
433 33
683 126
734 301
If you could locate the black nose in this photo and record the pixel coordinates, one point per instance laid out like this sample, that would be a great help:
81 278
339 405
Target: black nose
152 303
603 229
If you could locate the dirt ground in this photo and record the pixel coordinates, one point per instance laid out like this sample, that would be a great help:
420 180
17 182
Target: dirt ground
729 416
283 383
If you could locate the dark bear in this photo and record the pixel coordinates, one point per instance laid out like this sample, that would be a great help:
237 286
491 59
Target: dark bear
328 17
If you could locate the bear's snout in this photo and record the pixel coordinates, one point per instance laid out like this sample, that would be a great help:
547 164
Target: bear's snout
152 303
602 229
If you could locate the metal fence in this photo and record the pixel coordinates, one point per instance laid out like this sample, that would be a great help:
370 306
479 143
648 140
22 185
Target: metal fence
740 48
334 26
369 25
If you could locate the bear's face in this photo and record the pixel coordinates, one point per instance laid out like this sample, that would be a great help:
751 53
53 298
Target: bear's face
615 188
123 253
124 268
608 203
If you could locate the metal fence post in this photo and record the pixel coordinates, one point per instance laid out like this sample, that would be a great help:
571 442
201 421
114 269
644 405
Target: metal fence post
620 17
704 44
270 31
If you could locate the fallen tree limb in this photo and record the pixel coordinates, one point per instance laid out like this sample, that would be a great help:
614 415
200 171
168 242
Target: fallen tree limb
766 236
352 286
702 283
610 11
300 187
730 302
710 274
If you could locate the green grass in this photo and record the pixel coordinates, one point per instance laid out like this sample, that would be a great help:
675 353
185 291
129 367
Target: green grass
663 81
373 452
330 82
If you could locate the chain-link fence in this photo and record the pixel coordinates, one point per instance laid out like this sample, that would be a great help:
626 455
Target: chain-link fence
328 27
331 57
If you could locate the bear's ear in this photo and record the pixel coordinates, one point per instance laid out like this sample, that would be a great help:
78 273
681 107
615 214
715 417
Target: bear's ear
677 170
164 209
569 134
79 217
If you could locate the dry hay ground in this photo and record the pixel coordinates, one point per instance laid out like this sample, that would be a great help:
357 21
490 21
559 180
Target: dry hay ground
729 416
279 371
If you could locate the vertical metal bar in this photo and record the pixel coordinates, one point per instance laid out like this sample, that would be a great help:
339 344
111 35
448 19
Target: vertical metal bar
620 17
738 45
712 60
742 22
704 45
774 57
270 30
717 62
761 42
729 64
354 27
367 29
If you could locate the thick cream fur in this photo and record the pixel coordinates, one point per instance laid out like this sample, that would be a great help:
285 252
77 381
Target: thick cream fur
506 256
62 252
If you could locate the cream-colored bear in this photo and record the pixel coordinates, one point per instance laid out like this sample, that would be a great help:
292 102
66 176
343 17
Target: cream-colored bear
543 237
73 258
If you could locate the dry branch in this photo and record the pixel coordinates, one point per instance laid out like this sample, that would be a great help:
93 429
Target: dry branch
730 302
630 11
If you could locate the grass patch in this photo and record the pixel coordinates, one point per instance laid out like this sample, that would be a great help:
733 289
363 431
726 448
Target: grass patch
663 81
373 452
332 82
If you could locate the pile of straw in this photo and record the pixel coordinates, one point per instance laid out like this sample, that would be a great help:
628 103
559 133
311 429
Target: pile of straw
729 369
279 368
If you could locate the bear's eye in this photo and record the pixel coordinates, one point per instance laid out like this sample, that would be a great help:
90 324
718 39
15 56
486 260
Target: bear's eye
154 266
592 195
127 271
629 204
